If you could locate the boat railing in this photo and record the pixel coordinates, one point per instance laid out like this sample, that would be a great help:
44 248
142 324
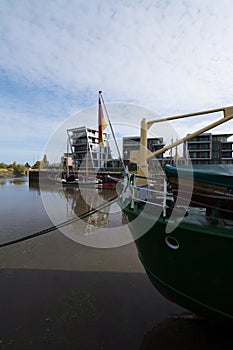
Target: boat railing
149 190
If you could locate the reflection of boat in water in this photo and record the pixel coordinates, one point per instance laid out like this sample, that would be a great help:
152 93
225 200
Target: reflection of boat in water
186 253
212 186
82 200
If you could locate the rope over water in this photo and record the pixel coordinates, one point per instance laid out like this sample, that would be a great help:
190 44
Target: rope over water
62 224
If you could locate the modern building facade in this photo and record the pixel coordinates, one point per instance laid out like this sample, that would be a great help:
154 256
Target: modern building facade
85 148
132 143
209 149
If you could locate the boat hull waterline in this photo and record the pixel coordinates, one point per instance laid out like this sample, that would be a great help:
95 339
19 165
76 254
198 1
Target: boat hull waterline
82 184
192 267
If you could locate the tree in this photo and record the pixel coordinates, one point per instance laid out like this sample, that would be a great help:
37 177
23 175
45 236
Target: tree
19 169
36 165
3 166
27 165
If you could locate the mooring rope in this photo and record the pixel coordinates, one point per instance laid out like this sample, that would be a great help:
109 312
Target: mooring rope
62 224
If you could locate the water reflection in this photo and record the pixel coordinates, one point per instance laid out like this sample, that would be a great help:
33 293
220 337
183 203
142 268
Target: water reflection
17 181
105 228
85 199
75 201
13 181
22 212
80 201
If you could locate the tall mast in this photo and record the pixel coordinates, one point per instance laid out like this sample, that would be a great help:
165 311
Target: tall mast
112 130
87 161
67 159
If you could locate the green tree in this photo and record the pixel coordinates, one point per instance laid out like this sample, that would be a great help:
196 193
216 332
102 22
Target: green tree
19 169
3 166
12 166
27 165
36 165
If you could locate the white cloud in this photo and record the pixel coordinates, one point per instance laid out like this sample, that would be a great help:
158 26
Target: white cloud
170 56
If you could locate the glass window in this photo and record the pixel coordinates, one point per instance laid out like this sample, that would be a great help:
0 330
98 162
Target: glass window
227 146
204 146
215 155
216 146
204 154
227 155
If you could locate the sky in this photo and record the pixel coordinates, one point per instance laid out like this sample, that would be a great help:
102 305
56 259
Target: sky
170 57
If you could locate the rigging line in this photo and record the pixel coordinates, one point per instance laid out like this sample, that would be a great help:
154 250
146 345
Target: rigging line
62 224
113 133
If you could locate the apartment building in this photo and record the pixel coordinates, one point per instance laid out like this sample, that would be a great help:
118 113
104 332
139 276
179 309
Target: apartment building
85 148
209 149
132 143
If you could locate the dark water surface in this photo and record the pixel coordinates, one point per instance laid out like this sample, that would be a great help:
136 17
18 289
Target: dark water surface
58 294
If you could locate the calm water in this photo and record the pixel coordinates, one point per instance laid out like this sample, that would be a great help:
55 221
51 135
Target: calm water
27 209
74 296
21 211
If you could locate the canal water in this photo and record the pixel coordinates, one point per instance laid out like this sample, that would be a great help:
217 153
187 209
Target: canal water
64 290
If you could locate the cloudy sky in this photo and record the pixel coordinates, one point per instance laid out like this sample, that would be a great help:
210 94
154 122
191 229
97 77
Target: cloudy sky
168 56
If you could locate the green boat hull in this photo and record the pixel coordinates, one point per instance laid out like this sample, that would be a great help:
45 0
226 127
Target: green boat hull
192 266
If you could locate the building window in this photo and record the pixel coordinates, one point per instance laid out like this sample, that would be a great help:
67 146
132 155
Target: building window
215 155
204 155
227 155
227 146
193 154
216 146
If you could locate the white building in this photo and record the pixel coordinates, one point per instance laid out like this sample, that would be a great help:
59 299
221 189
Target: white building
85 148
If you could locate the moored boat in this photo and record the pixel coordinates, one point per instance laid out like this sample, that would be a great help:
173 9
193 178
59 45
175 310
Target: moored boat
73 181
185 251
109 181
192 265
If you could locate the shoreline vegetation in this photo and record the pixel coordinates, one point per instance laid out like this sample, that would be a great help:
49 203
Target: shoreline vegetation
13 170
17 170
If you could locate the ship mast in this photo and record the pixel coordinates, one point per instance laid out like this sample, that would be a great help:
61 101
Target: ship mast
112 130
67 159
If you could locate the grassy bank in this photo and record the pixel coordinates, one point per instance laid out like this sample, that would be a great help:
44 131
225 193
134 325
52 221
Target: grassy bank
11 172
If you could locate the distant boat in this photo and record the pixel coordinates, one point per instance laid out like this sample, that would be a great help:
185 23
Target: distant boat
73 181
109 181
186 253
104 174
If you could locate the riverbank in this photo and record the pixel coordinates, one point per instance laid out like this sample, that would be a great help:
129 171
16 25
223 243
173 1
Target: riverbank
8 173
5 173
